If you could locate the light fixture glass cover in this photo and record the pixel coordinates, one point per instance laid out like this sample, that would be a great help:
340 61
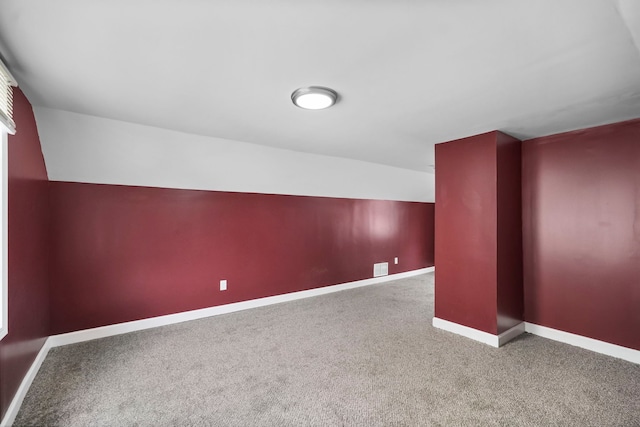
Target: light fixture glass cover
314 97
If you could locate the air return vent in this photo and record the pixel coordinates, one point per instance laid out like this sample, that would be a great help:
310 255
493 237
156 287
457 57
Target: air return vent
6 99
380 269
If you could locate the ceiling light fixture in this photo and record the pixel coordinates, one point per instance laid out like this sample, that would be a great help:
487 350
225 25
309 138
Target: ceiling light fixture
314 97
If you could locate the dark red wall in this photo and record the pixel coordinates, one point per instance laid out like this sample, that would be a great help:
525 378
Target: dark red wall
28 238
581 203
123 253
465 232
509 228
478 232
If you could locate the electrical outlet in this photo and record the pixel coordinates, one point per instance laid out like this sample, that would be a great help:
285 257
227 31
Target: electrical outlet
223 285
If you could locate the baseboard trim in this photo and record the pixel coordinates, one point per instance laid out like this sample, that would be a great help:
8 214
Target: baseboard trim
137 325
475 334
14 407
581 341
591 344
511 333
597 346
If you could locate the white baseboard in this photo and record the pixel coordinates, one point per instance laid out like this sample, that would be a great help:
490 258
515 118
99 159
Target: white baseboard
597 346
594 345
510 334
475 334
481 336
137 325
14 407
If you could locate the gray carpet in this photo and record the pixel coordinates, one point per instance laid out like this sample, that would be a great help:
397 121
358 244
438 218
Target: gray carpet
364 357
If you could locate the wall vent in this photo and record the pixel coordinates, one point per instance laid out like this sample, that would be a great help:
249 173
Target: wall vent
6 99
381 269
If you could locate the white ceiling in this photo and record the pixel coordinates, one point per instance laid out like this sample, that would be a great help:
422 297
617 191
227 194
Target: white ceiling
409 73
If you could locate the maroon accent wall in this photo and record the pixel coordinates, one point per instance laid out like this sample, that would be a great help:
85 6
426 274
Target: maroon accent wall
581 203
28 238
478 244
123 253
465 232
509 238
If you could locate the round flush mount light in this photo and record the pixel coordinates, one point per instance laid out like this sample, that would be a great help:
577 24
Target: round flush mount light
314 97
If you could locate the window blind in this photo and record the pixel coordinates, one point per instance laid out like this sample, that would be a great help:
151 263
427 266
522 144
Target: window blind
6 98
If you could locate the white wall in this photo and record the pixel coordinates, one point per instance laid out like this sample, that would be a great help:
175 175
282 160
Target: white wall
81 148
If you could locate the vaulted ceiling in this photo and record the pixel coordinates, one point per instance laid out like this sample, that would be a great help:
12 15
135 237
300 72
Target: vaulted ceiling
409 73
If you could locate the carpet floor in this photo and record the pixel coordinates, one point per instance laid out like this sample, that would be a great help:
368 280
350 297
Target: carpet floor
362 357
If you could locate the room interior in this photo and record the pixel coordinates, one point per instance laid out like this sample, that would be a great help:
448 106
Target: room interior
159 153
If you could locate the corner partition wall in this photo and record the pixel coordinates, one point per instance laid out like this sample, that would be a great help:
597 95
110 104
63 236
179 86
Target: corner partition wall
543 232
478 240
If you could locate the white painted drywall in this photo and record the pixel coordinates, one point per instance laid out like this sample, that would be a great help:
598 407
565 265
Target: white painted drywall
410 74
82 148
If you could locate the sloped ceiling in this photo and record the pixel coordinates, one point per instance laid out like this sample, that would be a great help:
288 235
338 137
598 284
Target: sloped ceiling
409 73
